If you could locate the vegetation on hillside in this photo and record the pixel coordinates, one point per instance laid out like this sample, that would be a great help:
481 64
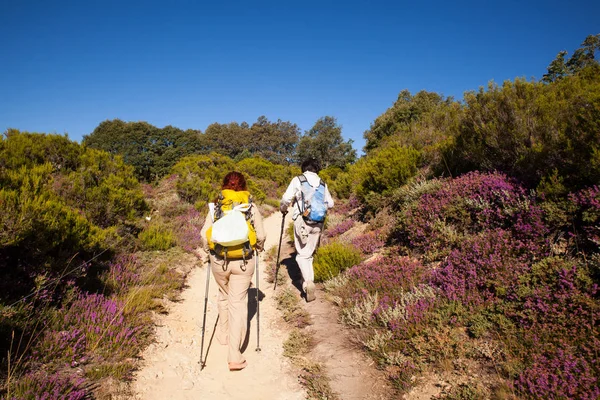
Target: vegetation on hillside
491 262
468 242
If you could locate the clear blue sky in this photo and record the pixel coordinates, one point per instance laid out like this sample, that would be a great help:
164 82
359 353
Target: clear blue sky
67 66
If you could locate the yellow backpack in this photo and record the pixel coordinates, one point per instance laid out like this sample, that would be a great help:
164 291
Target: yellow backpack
230 201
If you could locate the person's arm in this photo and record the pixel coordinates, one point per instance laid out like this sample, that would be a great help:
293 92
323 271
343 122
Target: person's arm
289 196
328 198
261 235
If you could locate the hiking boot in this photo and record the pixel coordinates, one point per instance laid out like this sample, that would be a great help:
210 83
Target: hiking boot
237 366
310 291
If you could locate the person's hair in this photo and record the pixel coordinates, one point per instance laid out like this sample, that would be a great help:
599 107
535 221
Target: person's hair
310 164
234 181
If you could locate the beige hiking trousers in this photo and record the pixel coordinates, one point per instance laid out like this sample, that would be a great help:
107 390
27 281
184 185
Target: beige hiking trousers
306 240
233 278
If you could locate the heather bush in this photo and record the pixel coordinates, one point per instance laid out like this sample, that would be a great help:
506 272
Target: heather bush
369 242
334 258
387 275
587 203
122 274
469 204
559 374
340 228
482 269
91 324
186 229
48 386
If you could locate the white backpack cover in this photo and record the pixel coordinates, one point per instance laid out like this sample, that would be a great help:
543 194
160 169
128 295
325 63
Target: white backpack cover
232 228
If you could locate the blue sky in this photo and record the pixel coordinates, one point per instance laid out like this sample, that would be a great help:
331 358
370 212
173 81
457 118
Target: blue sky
66 66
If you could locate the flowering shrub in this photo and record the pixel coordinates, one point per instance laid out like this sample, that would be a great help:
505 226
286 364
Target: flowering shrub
340 228
91 323
482 269
369 242
588 204
346 206
44 386
387 275
469 204
559 375
187 228
122 274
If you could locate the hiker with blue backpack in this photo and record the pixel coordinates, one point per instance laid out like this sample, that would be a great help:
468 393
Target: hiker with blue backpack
312 200
232 236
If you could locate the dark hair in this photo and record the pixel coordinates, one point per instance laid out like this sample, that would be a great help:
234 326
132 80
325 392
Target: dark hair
234 181
310 164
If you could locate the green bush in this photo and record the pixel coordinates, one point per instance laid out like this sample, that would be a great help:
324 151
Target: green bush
333 258
532 130
385 169
200 177
157 237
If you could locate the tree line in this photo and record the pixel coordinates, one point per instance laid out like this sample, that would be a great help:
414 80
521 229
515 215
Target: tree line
153 151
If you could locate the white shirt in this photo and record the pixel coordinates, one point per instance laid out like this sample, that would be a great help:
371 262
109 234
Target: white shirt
294 191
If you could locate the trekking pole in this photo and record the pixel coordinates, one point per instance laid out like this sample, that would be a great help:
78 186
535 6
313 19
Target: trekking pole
257 303
209 266
279 250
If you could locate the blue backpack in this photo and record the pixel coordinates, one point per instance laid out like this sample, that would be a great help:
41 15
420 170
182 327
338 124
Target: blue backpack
312 207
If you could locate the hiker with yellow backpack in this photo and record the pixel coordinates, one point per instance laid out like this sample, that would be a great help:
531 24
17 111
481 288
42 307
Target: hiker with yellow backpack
233 231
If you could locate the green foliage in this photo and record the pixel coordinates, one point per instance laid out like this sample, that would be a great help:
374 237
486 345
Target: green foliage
325 143
399 119
150 150
385 169
104 188
266 179
156 237
60 201
581 58
529 130
333 258
200 177
273 141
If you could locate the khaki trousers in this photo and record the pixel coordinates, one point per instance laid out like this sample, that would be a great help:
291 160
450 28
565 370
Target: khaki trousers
306 240
233 278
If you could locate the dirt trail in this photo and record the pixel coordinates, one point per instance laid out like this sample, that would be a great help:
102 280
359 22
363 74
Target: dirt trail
171 368
353 375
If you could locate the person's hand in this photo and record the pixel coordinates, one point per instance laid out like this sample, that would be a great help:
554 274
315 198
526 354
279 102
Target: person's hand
283 208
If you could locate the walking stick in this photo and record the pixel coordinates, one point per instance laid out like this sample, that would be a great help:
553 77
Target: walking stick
204 318
257 303
279 251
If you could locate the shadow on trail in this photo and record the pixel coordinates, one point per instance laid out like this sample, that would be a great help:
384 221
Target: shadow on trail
251 313
294 273
203 360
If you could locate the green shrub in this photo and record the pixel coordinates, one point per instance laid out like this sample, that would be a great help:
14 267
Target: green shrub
200 177
385 169
156 237
334 258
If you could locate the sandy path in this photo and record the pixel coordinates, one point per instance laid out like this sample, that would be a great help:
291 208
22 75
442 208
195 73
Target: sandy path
171 368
